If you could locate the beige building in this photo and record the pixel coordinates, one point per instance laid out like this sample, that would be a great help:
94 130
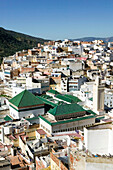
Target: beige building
98 96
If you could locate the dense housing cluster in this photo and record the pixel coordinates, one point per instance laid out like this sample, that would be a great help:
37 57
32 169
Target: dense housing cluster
56 106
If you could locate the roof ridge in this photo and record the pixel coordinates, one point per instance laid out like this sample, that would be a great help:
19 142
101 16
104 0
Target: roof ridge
22 96
25 98
56 110
30 94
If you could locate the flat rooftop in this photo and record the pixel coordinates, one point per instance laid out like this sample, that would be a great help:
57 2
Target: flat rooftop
101 126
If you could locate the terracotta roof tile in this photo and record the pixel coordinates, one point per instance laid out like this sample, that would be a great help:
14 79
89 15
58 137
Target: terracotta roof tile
17 160
41 131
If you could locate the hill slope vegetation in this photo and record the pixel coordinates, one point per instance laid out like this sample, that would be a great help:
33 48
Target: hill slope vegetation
11 42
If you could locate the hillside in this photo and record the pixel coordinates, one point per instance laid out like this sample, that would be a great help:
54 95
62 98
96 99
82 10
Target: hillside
11 42
108 39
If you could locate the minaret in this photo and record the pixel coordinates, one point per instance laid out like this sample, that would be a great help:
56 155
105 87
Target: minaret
98 96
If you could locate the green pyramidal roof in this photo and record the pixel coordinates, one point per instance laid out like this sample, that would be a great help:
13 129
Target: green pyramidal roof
7 118
25 98
66 109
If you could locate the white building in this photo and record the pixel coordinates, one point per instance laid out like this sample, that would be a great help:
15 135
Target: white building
64 84
24 105
86 91
66 117
108 99
98 139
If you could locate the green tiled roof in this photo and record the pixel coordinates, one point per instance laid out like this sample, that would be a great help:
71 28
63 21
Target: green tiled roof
91 112
47 101
66 109
53 91
91 98
74 98
66 121
102 117
67 99
25 98
7 118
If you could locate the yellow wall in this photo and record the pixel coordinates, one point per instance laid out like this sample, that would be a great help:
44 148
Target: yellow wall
16 143
31 133
56 87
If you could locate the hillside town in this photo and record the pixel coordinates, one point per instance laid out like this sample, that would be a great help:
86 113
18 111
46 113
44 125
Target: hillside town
56 107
